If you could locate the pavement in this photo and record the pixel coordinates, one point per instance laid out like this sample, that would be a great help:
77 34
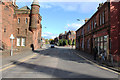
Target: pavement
59 62
90 57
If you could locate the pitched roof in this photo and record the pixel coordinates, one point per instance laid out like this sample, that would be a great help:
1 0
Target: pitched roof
25 8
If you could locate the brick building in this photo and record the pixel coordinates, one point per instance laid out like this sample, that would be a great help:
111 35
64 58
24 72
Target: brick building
24 23
101 30
70 35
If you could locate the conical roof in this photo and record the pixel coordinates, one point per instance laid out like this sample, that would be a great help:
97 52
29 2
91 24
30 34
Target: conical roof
36 2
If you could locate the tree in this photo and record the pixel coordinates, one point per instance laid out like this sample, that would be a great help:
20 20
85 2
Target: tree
66 42
60 42
46 41
70 42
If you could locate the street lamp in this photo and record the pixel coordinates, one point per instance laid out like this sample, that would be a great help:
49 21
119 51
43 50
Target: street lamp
11 37
82 34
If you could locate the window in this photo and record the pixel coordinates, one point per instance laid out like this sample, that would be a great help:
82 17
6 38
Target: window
26 20
105 43
88 28
83 31
18 20
18 41
88 43
18 30
82 44
26 31
69 36
92 25
100 20
95 24
23 42
103 17
4 29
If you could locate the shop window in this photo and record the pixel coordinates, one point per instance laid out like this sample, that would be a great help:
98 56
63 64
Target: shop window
105 43
101 42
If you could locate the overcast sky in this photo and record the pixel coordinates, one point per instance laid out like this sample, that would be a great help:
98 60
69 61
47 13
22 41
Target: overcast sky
58 17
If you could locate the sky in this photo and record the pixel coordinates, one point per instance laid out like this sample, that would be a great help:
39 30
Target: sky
58 17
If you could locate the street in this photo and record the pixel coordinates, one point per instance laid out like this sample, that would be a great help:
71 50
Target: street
58 62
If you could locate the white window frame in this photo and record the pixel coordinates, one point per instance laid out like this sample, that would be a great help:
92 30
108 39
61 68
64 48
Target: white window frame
18 41
23 41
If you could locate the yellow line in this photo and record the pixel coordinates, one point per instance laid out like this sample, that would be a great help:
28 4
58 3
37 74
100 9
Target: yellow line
13 65
18 60
99 65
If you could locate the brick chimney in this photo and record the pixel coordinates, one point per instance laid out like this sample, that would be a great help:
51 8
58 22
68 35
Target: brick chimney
100 5
86 20
65 32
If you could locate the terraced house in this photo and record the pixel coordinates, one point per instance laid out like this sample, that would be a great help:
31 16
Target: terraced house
24 23
101 30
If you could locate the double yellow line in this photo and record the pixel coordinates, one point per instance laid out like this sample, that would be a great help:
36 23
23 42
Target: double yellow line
13 65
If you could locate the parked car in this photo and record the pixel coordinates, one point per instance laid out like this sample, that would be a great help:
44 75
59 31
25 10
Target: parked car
52 46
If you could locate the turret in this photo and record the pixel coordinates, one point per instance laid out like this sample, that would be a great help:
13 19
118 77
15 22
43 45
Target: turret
34 14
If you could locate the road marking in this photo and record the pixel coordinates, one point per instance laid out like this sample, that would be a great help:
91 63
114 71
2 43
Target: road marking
13 65
98 65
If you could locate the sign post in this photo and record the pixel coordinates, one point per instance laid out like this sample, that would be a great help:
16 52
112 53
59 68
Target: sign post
11 37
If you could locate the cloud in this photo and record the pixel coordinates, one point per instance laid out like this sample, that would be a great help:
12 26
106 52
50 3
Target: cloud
45 6
74 26
49 35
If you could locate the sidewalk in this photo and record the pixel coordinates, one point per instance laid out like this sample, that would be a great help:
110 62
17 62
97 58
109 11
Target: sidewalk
90 57
16 56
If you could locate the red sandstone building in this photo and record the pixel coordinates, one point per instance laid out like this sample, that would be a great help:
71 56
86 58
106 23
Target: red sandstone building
24 23
101 30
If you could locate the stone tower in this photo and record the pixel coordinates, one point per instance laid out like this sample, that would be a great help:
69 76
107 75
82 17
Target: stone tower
34 15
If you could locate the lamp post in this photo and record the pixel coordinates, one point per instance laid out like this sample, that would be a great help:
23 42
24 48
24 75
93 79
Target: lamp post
11 37
82 35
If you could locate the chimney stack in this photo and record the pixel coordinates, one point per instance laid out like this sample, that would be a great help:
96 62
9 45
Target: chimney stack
100 5
65 32
86 20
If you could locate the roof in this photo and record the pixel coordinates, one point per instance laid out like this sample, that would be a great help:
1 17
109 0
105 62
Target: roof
25 8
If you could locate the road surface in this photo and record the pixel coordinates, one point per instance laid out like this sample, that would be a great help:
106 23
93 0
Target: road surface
59 62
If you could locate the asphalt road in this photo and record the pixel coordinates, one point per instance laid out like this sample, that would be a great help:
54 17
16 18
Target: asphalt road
56 62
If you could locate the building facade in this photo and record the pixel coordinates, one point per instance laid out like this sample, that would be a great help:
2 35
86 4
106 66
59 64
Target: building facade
24 23
101 30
